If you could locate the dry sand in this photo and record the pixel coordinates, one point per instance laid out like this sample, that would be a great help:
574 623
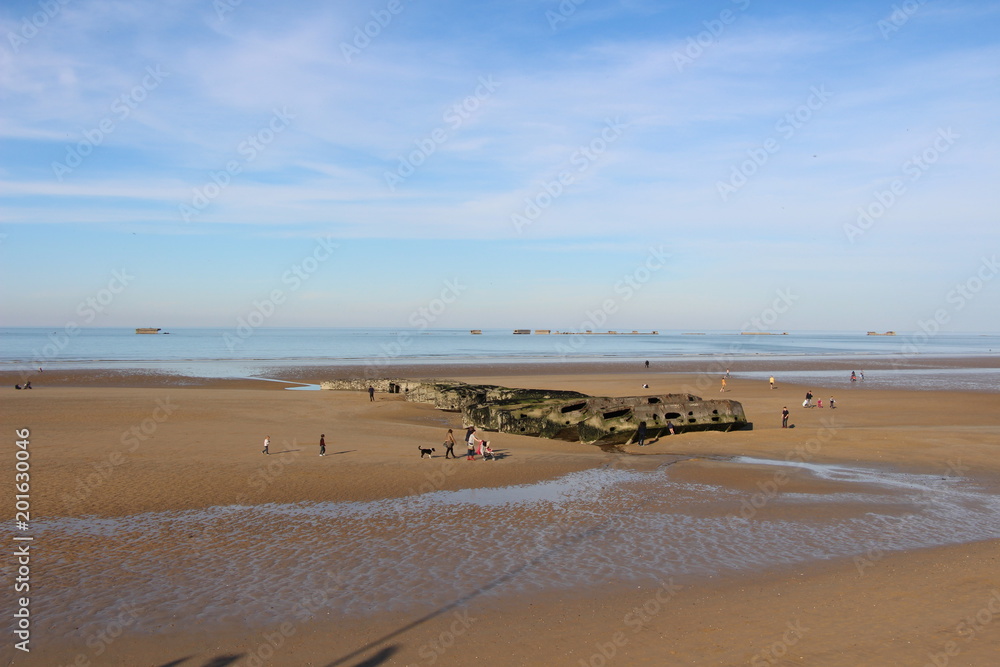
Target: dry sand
116 445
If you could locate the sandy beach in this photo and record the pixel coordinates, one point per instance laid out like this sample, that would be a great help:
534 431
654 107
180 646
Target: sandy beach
164 536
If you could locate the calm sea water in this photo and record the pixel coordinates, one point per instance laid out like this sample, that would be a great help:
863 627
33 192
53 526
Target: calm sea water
234 353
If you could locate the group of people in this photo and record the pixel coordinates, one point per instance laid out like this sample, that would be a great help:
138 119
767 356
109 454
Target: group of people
807 403
475 446
27 385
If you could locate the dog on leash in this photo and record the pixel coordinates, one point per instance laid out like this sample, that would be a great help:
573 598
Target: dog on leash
426 452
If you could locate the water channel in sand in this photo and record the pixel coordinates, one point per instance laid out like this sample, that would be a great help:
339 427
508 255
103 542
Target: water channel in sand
254 564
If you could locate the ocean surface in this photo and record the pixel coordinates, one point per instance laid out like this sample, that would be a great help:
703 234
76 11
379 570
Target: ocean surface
247 352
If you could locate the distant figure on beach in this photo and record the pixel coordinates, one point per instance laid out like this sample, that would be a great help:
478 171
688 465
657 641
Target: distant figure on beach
832 404
670 427
267 443
640 434
862 374
470 441
809 397
27 385
645 386
854 377
371 393
784 417
647 364
322 444
449 445
723 385
819 402
727 372
772 382
17 386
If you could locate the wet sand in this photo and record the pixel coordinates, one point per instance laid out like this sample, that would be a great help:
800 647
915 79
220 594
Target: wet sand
129 473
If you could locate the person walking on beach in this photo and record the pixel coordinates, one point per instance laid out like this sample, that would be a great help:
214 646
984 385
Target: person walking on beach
809 397
322 444
640 434
784 417
470 442
772 382
819 402
854 377
723 385
647 364
267 443
371 393
449 445
832 404
727 372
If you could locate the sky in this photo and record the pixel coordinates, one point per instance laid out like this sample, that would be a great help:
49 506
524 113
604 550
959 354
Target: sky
717 165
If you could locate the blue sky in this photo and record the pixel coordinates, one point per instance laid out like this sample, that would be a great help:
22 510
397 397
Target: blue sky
679 165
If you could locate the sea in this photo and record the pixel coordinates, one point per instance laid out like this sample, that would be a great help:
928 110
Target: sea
247 352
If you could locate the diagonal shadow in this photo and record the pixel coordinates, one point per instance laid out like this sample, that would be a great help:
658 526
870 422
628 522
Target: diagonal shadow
223 660
573 540
174 663
379 657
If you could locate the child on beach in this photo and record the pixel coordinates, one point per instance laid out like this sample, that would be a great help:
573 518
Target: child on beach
267 443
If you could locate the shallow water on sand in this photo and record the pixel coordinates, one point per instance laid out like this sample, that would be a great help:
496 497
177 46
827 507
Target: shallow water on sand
256 565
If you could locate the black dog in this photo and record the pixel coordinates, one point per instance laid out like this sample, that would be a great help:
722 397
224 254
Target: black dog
426 452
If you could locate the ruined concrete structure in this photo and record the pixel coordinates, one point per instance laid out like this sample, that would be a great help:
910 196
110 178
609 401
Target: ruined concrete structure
563 415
